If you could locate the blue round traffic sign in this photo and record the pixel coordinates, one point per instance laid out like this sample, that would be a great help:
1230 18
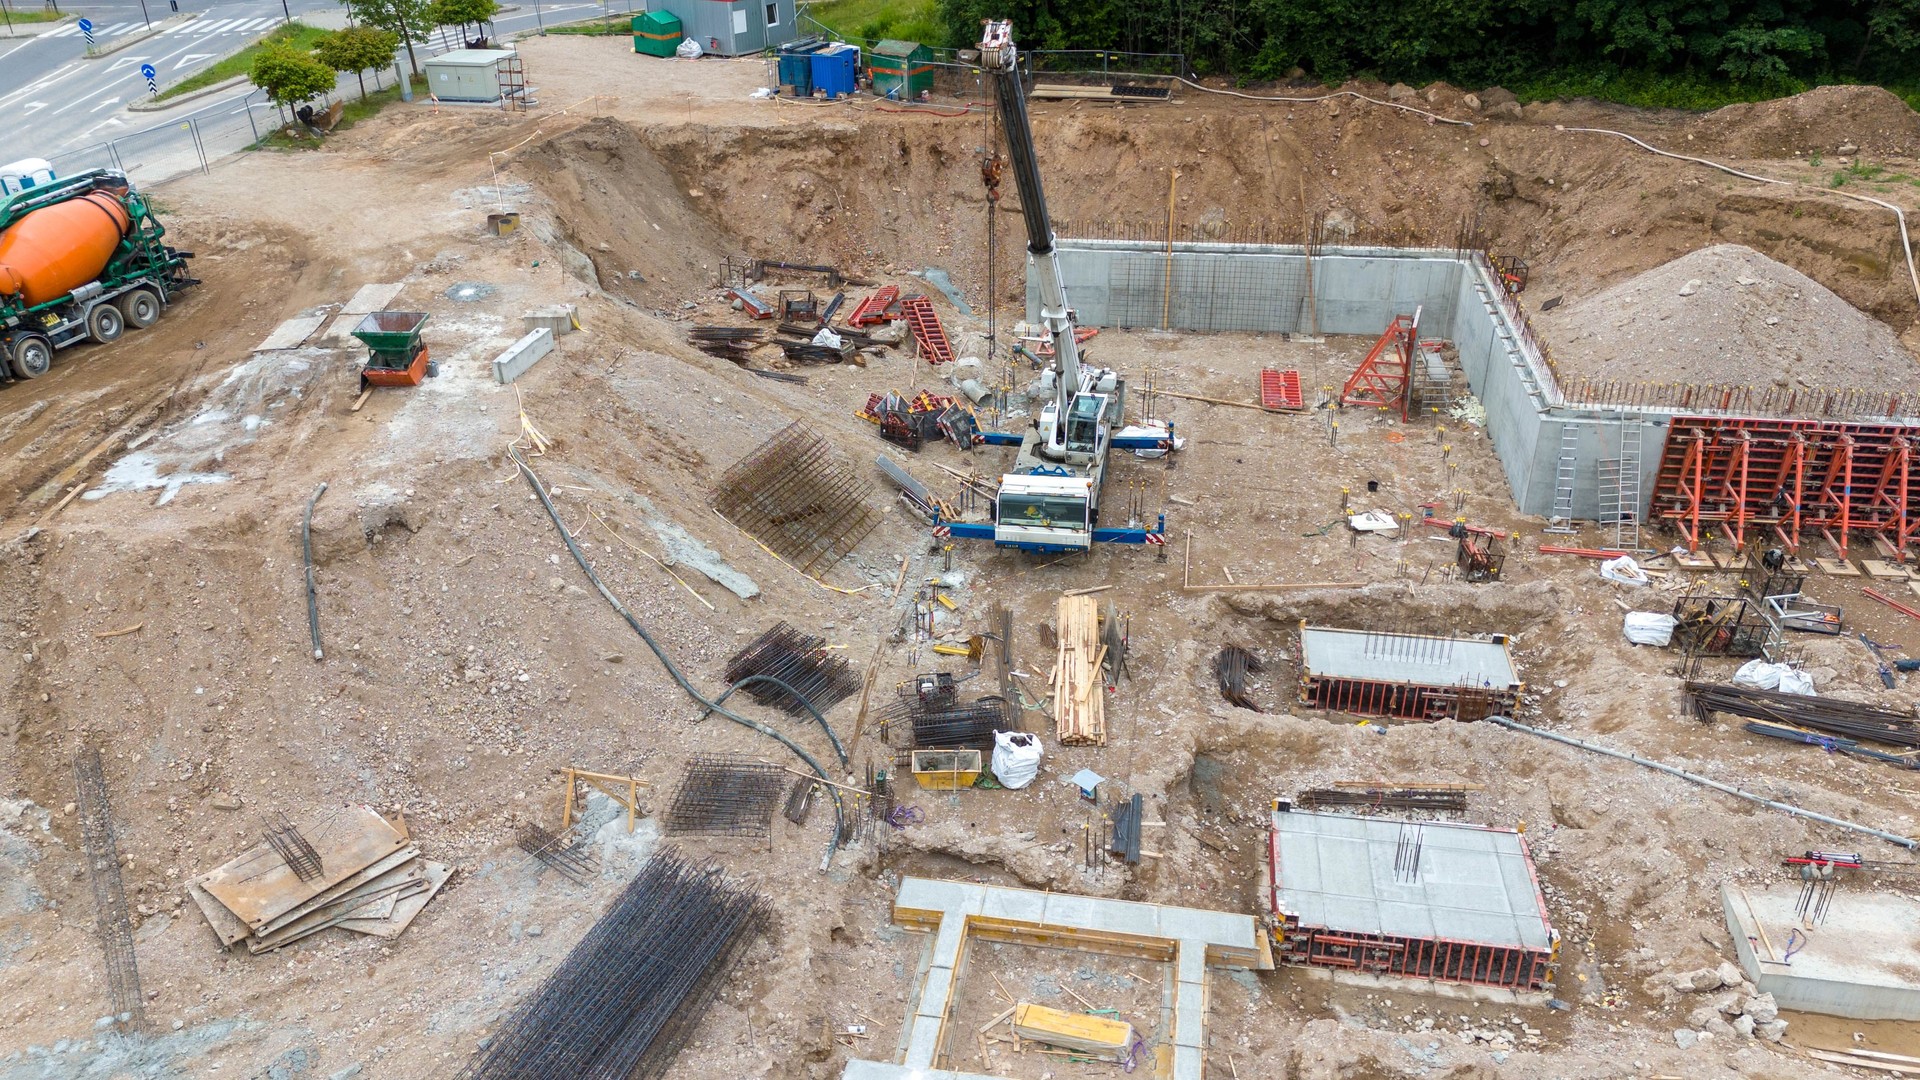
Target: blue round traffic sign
86 26
146 71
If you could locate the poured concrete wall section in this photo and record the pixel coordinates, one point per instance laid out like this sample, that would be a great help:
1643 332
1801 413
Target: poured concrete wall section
1859 963
522 355
1262 288
1191 938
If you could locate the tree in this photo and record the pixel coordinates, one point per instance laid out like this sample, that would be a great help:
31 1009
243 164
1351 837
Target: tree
356 49
406 19
462 12
288 75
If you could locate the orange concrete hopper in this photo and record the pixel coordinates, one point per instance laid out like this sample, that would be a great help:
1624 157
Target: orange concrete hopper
56 249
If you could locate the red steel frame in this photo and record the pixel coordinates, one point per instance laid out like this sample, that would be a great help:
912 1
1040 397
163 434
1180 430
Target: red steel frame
1384 379
1511 967
1783 480
1405 700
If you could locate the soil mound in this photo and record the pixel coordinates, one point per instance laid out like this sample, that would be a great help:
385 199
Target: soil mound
1822 119
1725 315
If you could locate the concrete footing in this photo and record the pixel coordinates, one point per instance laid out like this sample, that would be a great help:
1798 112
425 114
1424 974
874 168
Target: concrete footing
560 318
522 354
955 911
1861 962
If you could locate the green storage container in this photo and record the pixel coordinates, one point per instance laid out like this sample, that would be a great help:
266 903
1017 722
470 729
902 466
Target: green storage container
901 70
656 33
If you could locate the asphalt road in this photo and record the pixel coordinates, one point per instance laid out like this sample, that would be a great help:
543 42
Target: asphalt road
54 101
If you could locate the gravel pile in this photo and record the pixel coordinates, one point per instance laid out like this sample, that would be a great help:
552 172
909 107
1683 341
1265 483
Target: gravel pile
1724 315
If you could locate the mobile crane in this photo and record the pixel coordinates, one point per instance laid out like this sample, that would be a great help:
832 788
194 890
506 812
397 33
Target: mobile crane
1050 502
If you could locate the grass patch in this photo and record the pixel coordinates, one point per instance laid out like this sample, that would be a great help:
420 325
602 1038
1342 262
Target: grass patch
1649 90
875 20
617 27
355 110
23 17
299 35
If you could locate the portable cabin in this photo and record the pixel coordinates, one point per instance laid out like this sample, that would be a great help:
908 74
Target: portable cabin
796 66
466 74
736 27
901 70
656 33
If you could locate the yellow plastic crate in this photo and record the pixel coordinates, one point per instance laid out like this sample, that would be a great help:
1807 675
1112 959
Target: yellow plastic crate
945 770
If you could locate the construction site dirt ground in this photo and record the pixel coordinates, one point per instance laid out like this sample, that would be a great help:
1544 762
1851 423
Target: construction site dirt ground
467 658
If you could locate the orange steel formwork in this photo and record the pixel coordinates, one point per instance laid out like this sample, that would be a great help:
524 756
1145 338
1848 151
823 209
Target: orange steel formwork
1383 379
1783 481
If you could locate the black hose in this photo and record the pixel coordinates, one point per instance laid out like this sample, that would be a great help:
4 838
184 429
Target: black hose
797 696
313 597
580 557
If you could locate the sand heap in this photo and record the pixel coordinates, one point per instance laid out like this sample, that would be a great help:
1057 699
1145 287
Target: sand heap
1725 315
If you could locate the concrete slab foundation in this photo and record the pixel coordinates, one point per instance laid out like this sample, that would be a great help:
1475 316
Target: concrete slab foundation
522 354
1189 938
1863 962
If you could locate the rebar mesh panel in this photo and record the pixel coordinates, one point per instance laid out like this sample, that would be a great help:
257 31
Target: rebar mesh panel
553 851
626 997
111 921
721 795
798 660
799 497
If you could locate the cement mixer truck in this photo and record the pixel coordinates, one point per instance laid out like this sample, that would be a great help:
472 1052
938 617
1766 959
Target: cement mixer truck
81 259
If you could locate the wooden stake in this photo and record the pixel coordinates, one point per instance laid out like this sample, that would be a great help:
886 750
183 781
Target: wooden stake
362 399
122 632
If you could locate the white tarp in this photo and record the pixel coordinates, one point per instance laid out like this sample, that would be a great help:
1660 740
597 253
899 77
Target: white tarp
1649 628
1625 571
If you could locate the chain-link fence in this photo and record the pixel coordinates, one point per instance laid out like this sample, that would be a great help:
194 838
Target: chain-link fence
192 143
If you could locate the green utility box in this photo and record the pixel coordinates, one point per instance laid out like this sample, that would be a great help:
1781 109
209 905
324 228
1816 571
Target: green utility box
656 33
901 70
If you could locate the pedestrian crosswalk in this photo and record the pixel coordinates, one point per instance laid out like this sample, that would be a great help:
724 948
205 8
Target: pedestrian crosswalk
197 28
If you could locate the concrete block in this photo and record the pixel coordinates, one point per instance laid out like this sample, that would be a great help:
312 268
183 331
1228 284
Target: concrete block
562 319
522 354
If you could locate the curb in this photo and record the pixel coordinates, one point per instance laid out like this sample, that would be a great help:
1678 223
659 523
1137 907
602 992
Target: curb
31 30
150 105
134 39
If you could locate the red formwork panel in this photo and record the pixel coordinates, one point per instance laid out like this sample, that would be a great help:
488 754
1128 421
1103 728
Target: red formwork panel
1776 481
1280 390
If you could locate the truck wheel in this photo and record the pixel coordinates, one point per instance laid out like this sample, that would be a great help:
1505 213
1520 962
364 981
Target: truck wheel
31 356
105 323
141 307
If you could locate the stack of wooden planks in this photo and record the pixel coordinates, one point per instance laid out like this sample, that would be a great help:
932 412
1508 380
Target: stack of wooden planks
1079 699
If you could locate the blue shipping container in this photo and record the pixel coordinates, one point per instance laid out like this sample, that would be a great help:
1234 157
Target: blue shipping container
796 65
836 70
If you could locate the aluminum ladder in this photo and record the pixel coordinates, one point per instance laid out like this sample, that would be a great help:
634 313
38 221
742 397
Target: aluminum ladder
1563 480
1626 523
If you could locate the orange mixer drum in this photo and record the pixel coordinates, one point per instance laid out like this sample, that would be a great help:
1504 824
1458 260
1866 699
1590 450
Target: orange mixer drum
56 249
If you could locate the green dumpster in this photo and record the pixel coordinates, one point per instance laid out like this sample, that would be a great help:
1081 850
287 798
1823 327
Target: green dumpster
901 70
656 33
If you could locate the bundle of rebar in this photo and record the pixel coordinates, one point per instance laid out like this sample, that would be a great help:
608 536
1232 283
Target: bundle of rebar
626 997
1230 668
1437 800
111 922
726 342
806 352
294 850
1849 719
798 660
725 795
553 851
1831 743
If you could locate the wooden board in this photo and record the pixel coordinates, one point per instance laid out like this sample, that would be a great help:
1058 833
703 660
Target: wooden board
1079 690
1072 1031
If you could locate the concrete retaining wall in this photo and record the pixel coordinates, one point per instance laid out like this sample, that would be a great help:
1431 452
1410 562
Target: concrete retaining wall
1264 289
